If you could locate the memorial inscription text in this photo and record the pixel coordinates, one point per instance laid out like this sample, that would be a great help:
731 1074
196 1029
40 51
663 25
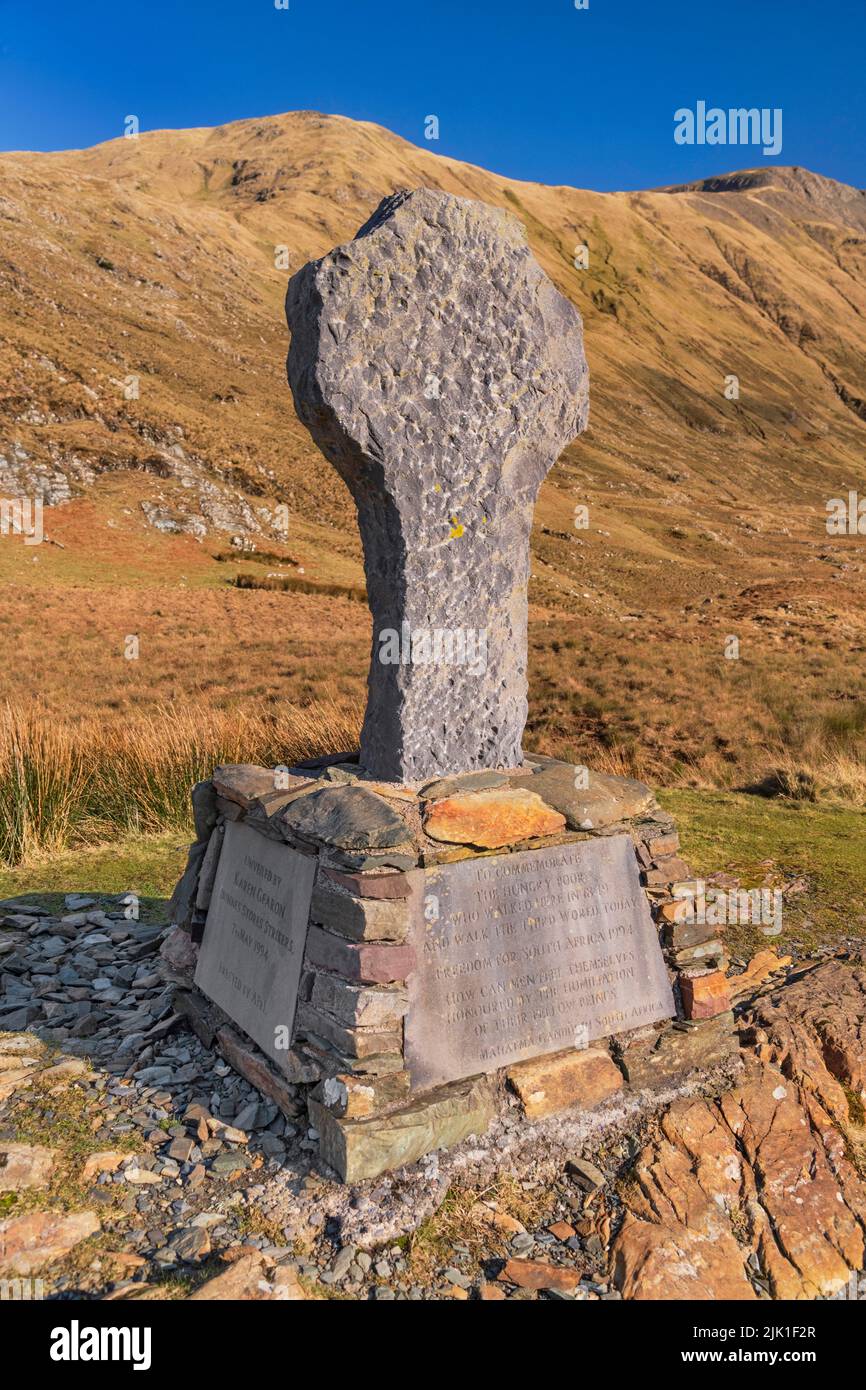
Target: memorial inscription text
529 953
253 947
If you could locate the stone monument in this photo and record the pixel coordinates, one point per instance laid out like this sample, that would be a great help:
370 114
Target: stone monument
442 373
397 934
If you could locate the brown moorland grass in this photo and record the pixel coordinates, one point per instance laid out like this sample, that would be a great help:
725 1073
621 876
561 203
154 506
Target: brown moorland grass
87 782
62 784
639 675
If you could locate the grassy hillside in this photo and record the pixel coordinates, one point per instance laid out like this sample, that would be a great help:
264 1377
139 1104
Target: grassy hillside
142 344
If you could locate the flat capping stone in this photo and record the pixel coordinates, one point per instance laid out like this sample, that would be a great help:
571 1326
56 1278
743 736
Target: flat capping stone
325 760
348 817
370 837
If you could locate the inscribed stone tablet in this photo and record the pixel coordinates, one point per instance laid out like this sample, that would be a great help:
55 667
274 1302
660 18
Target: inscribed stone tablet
528 953
253 948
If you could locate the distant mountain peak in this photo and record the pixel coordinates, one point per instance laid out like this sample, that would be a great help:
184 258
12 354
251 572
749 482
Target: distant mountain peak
824 197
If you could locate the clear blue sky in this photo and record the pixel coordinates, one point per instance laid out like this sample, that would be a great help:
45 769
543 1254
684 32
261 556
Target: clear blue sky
534 89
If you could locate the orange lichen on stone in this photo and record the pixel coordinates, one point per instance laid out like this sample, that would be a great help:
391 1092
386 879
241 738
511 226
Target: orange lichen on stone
492 819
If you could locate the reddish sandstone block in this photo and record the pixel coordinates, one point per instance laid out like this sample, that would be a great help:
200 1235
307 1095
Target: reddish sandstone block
704 996
760 968
667 870
492 819
563 1230
366 962
539 1274
661 846
374 884
682 910
559 1080
490 1293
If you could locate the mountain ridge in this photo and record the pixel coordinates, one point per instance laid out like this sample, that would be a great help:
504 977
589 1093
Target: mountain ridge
162 263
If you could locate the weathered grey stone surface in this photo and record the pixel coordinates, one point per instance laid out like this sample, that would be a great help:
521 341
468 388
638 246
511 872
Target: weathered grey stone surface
680 1048
525 954
442 373
347 817
208 869
389 858
183 898
358 1006
358 1149
603 801
243 782
358 1097
204 809
349 1039
360 919
459 786
253 948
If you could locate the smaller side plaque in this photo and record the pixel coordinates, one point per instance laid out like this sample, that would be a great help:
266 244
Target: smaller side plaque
523 954
253 949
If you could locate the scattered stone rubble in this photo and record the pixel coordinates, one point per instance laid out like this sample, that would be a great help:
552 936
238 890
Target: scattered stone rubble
187 498
740 1178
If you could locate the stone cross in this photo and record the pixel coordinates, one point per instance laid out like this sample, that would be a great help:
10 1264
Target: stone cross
442 373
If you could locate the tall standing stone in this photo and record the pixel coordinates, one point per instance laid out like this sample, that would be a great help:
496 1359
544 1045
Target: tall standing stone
442 373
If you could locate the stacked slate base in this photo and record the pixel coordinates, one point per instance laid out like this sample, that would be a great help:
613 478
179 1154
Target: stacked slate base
365 842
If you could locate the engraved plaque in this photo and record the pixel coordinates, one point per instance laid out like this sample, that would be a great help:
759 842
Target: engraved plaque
253 948
528 953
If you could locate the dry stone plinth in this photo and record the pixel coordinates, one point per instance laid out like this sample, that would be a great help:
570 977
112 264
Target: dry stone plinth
442 373
365 944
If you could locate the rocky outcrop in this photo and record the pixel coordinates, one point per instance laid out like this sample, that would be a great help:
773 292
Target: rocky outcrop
759 1189
815 1032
